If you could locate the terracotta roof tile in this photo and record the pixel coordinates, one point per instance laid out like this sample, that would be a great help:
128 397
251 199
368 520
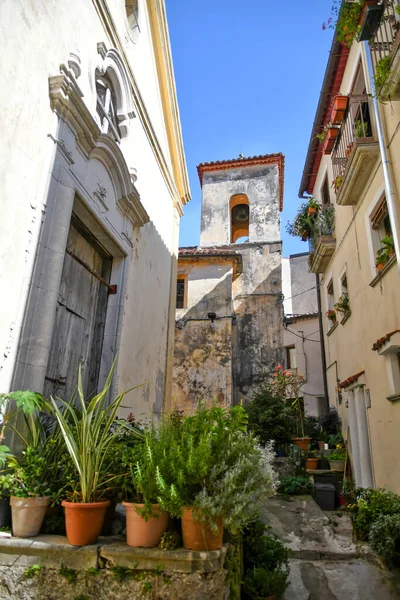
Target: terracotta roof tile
245 161
382 341
350 380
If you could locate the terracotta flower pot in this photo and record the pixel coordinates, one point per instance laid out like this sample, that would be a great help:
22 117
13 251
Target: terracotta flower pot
28 515
330 139
311 210
197 536
339 108
302 443
321 445
311 463
83 521
139 532
336 465
380 266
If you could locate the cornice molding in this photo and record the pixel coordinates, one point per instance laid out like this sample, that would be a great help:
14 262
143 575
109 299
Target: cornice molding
180 193
66 99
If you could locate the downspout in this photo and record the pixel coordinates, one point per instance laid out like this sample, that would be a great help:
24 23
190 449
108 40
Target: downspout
393 210
321 337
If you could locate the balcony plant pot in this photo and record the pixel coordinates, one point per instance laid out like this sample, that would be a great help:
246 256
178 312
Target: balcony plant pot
380 266
339 109
28 515
311 210
197 535
370 19
321 445
84 521
302 442
311 463
336 465
144 533
5 512
330 139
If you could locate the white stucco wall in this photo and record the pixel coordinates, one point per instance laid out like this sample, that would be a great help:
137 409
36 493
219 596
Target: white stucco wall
45 32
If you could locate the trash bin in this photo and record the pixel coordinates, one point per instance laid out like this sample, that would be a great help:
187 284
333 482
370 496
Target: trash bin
325 495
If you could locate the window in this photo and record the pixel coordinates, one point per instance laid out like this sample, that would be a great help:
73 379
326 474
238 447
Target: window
181 292
291 357
330 301
391 351
325 194
380 224
343 284
132 14
240 218
106 107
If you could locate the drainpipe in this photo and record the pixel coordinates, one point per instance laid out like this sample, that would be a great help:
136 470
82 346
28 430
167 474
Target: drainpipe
393 210
321 337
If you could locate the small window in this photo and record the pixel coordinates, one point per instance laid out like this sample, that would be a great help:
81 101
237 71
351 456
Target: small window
132 14
291 357
107 108
380 225
181 292
330 313
325 194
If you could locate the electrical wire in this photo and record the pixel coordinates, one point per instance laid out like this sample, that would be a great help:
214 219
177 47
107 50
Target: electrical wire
300 293
301 336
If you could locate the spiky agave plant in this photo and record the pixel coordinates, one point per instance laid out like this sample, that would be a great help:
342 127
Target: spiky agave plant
89 433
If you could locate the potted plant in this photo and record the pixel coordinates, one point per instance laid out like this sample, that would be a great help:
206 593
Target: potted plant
337 458
330 140
384 253
361 128
348 22
302 225
145 521
343 304
331 314
294 485
88 435
313 207
218 474
322 135
311 460
339 108
370 19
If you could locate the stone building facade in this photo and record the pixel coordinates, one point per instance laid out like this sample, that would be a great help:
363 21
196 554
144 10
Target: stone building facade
93 186
229 306
358 181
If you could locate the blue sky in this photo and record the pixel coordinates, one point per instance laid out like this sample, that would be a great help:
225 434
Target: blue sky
248 77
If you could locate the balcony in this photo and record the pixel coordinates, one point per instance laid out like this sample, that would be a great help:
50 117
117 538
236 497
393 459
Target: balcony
355 152
386 55
323 242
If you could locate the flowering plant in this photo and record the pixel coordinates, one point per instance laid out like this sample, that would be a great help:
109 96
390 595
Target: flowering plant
288 385
331 315
345 18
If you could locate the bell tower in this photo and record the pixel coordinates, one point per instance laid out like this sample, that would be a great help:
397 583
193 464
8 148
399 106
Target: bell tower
241 200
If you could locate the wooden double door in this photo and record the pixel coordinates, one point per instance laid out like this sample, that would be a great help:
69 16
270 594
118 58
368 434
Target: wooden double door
80 316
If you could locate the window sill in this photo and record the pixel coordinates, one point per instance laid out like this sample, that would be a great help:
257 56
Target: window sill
332 329
393 397
379 276
345 317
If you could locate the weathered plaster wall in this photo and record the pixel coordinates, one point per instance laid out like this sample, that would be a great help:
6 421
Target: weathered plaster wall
145 258
306 340
260 184
202 356
302 279
257 336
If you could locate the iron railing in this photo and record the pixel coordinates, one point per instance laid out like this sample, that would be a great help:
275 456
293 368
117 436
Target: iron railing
355 129
387 38
323 225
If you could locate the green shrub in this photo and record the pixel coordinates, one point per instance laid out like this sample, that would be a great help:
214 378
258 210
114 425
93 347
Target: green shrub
261 549
269 416
260 583
384 536
295 485
371 504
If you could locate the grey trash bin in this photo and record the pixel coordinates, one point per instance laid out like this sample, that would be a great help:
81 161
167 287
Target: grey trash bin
325 495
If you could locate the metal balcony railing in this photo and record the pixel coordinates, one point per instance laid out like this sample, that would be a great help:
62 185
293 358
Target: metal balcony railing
387 38
355 129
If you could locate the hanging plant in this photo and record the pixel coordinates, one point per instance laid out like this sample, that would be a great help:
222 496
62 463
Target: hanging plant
382 70
345 19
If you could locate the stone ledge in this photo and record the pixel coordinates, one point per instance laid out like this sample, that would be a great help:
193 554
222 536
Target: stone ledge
53 551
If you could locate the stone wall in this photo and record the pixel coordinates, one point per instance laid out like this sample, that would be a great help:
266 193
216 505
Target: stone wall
46 568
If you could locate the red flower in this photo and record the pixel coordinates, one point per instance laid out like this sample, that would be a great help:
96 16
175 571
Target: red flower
323 26
275 374
278 367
